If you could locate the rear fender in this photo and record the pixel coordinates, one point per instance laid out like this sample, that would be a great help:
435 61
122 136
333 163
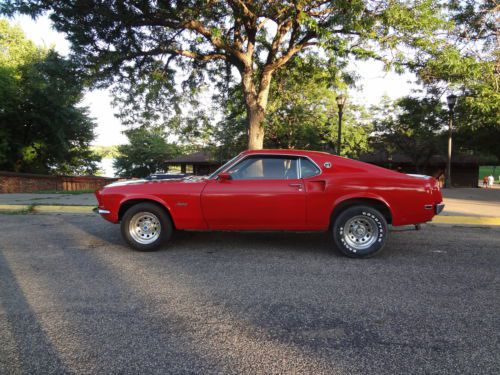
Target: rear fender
354 196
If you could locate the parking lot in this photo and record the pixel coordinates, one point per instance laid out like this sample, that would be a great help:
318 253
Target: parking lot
75 299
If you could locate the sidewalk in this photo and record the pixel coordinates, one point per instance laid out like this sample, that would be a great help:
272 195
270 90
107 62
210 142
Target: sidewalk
47 203
470 206
471 202
49 199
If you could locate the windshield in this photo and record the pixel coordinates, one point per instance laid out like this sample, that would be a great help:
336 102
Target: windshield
213 175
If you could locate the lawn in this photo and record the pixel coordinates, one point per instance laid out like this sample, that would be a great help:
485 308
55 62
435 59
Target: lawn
486 170
74 192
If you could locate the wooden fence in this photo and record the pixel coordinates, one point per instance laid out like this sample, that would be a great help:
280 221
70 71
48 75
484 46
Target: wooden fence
11 182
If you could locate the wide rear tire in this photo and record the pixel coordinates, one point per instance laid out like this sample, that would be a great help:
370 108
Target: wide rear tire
360 231
146 227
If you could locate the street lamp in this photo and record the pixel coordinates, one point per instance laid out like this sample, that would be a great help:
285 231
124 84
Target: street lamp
451 100
341 100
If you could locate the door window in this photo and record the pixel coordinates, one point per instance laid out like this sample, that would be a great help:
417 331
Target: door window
265 168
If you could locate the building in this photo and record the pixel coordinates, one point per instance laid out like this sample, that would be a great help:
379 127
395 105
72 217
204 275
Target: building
464 168
199 163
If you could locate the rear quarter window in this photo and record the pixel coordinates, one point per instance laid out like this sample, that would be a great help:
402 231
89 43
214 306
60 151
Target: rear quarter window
308 168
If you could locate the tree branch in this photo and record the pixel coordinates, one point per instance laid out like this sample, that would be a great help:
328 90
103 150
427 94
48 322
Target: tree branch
292 50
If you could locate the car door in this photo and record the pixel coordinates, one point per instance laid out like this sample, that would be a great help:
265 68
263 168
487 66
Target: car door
264 192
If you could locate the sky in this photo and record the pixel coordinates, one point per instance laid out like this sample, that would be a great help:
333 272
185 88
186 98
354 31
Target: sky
373 84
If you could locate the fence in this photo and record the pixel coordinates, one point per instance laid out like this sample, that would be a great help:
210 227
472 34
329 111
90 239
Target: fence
11 182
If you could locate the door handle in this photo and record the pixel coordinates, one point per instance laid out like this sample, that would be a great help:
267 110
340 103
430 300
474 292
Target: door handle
296 185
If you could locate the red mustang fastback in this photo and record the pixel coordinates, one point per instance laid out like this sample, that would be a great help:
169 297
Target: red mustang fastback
276 190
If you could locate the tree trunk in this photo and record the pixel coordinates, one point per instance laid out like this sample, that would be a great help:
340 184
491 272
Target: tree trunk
255 117
256 105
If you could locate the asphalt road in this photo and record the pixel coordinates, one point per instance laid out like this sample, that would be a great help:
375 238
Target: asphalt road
74 299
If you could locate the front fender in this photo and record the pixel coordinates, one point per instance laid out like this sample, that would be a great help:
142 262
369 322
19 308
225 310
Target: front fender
144 197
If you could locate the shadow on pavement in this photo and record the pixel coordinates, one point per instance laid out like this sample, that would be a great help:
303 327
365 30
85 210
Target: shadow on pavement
26 344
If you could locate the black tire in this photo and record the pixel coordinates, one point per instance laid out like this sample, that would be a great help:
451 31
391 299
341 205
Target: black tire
152 211
360 231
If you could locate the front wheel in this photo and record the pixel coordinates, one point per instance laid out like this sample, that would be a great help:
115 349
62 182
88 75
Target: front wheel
146 226
360 232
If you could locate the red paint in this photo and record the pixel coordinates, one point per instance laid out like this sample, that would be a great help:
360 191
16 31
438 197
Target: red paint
291 204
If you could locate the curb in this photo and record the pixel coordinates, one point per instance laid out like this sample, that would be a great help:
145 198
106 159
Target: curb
14 208
25 208
64 209
467 220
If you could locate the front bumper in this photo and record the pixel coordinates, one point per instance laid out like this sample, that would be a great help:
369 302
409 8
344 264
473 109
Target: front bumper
439 208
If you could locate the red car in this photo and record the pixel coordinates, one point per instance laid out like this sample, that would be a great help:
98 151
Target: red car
276 190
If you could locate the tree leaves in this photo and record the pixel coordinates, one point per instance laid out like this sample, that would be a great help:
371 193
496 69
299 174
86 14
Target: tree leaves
43 128
146 153
126 43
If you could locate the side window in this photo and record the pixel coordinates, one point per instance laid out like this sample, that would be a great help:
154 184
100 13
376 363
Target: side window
265 168
308 168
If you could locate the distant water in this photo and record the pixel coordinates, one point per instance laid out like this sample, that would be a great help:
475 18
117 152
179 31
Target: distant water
106 166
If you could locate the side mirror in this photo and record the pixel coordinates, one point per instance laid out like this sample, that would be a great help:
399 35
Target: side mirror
224 176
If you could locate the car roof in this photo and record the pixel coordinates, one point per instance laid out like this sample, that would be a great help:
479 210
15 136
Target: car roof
320 157
286 152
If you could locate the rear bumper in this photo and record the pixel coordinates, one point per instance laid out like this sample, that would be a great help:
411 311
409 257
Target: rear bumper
438 208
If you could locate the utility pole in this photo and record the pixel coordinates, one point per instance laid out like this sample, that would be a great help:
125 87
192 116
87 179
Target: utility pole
341 100
452 100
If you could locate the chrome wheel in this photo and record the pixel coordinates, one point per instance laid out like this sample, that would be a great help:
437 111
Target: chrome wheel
144 227
360 232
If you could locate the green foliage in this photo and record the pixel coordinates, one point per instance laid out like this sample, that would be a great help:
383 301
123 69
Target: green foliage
43 128
146 152
302 112
140 47
478 121
470 66
106 151
412 127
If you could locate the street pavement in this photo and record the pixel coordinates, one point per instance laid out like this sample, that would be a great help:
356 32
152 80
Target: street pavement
74 299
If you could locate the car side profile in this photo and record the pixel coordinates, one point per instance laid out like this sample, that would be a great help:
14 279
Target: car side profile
285 190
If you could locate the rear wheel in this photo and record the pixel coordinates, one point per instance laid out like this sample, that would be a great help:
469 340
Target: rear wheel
146 227
360 231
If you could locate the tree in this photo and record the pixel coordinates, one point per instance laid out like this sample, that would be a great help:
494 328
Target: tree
43 128
139 43
302 112
412 127
146 153
470 66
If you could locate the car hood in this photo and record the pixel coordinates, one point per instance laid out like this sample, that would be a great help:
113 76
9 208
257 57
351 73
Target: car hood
166 181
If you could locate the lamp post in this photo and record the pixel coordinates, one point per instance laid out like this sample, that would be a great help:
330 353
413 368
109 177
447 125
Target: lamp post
451 100
341 100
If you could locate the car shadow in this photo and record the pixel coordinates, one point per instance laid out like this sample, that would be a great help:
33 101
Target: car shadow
217 241
271 242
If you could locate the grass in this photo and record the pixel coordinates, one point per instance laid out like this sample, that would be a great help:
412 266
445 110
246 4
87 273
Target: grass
35 208
486 170
28 210
73 192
